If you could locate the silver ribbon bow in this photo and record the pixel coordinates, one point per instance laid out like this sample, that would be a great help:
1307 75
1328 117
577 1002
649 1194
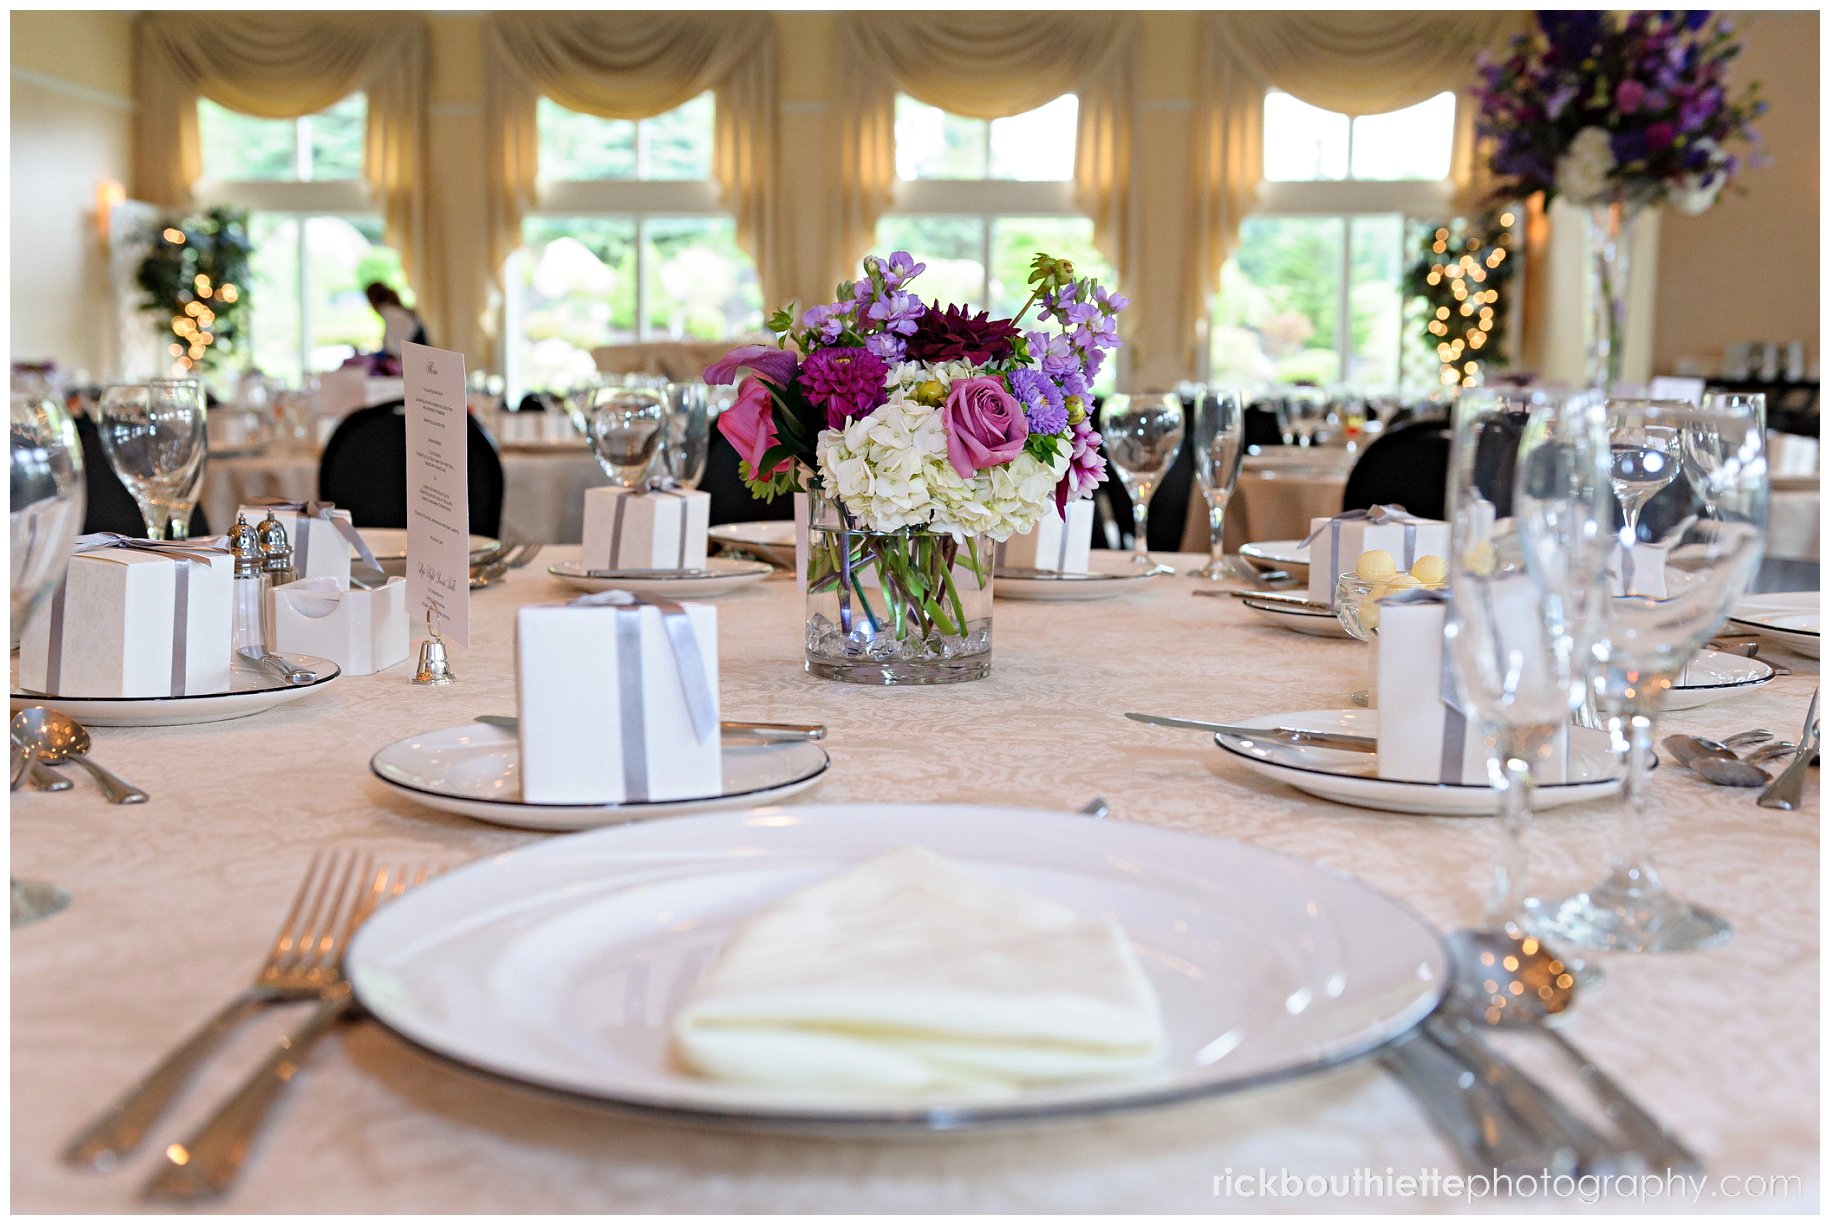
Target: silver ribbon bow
1455 717
1376 516
664 485
311 509
183 552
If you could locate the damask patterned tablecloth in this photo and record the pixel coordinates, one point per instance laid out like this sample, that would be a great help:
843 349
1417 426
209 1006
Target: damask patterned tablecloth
176 899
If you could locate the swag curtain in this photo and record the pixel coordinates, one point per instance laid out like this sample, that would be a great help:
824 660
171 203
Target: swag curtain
1359 63
281 66
985 65
632 66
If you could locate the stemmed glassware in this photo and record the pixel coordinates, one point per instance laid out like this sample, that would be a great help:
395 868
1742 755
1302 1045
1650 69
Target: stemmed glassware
1684 559
153 434
1219 437
46 509
1142 435
626 430
1300 413
689 431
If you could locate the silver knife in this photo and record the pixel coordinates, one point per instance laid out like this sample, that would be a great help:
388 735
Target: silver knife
642 574
1269 597
730 727
1279 735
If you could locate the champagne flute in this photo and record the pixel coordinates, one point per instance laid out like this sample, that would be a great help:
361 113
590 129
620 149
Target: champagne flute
154 436
689 431
1219 424
46 510
1142 435
626 431
1696 552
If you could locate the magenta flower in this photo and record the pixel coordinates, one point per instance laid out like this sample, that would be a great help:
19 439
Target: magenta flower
1629 96
847 383
1086 466
775 365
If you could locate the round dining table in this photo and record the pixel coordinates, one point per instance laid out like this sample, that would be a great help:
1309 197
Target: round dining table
175 900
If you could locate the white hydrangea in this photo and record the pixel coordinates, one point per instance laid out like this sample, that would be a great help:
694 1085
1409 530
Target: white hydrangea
1690 195
1584 171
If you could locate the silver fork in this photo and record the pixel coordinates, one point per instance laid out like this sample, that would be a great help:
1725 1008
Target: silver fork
1788 790
208 1161
301 963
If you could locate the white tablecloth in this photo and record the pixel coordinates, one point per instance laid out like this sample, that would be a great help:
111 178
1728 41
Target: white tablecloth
175 900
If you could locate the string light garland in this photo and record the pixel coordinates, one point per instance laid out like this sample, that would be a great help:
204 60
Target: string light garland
1461 277
194 276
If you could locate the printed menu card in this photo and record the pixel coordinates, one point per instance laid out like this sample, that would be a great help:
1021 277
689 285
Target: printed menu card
438 490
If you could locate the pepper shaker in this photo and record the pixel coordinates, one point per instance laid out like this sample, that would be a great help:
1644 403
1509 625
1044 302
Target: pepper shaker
276 552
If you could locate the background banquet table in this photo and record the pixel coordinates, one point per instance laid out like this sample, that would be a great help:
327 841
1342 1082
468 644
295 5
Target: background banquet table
175 900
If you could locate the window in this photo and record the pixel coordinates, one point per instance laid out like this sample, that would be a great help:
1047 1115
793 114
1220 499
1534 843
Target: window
315 236
977 198
628 244
1313 291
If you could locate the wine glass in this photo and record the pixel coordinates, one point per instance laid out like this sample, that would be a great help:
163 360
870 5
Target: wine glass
1530 535
1302 412
1219 424
625 430
153 434
689 432
1685 559
46 509
1142 435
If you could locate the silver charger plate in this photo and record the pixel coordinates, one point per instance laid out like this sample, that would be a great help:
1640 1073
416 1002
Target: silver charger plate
1068 585
249 693
722 575
562 964
770 539
474 770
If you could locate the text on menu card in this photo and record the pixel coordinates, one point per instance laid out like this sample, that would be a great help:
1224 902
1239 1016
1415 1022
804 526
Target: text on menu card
438 490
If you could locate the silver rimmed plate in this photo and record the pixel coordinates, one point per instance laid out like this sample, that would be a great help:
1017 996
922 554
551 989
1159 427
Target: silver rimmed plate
389 545
1793 618
249 693
1303 618
1348 777
1714 675
1052 585
475 771
1291 555
718 576
770 539
562 964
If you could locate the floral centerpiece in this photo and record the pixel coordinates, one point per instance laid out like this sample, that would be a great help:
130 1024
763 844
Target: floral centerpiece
1617 112
922 434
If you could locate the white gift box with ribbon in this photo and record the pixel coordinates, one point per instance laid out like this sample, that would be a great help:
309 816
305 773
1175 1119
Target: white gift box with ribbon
619 700
651 527
1055 544
321 535
360 630
1335 544
135 619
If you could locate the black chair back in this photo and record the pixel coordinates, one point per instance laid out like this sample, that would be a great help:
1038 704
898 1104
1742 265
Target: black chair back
732 501
1168 503
364 470
108 507
1408 466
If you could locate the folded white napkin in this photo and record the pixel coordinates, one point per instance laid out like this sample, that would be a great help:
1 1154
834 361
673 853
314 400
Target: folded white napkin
912 975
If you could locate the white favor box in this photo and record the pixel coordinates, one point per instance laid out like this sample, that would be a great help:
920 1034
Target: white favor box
1649 562
1336 544
629 529
575 748
319 550
121 629
361 631
1062 547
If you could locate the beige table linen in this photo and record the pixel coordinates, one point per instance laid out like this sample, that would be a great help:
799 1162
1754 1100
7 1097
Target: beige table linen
176 899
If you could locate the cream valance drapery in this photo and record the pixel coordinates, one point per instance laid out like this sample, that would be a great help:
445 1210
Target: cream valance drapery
986 66
1356 62
281 66
631 66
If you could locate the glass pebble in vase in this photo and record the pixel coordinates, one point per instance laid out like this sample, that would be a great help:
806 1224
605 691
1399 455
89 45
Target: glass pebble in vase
910 607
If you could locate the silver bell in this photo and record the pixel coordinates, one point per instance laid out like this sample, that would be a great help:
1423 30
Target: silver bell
434 668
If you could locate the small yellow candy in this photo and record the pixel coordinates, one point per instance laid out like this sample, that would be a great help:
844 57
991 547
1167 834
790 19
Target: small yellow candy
1430 570
1400 582
1375 565
1369 614
1481 558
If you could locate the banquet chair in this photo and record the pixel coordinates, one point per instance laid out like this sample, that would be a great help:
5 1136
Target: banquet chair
107 506
1168 504
364 470
1407 466
732 502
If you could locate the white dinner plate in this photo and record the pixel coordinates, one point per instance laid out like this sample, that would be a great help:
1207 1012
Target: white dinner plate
1714 675
1295 617
250 692
1291 555
727 574
1347 777
474 770
1065 586
563 964
389 545
770 539
1789 617
546 446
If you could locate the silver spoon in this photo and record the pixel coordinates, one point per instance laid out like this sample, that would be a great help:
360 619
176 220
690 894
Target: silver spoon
1506 979
1687 749
54 737
1097 808
1729 771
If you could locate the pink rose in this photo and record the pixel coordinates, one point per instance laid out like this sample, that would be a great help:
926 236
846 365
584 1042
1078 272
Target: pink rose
749 425
985 425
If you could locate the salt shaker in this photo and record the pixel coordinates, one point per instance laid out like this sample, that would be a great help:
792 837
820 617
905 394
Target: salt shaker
276 552
251 586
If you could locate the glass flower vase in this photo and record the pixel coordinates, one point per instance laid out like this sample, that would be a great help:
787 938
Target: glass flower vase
911 607
1611 229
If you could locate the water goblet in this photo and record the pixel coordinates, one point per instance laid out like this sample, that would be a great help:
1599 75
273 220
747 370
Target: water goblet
689 432
1142 435
626 426
1685 559
154 436
1304 411
1219 445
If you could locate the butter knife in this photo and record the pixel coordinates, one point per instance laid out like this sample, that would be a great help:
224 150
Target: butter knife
1294 736
730 727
